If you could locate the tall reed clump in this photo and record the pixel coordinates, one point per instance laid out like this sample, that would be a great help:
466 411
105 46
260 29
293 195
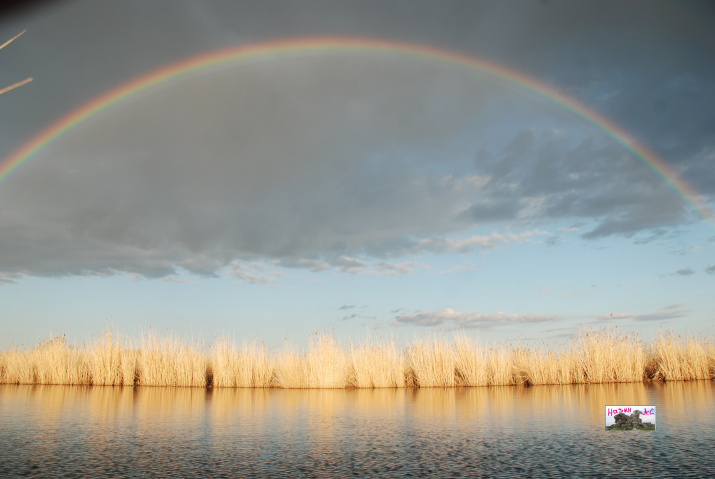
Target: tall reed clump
325 365
430 363
541 365
110 362
376 364
471 363
674 358
167 361
710 351
607 356
249 367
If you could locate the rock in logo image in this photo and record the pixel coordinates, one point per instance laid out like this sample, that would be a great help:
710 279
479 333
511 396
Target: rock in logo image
630 418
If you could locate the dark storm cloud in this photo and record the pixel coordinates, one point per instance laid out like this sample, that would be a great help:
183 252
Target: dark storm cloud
343 161
542 174
266 172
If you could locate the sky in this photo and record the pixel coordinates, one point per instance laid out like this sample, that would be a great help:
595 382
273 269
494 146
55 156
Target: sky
510 170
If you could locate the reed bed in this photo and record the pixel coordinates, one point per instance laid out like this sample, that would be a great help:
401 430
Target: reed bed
593 357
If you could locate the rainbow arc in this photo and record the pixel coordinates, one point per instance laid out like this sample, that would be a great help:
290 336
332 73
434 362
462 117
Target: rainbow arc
317 45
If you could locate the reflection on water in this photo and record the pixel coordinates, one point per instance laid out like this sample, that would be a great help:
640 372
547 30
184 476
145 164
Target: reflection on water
76 431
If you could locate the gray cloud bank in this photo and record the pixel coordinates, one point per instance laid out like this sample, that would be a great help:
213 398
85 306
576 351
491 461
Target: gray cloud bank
352 161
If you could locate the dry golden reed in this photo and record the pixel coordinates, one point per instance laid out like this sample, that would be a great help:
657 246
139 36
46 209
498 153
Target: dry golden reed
593 357
16 84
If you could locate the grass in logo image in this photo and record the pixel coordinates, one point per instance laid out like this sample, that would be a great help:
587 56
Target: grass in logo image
630 418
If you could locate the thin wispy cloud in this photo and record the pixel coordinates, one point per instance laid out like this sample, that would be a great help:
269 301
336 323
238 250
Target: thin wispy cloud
305 263
464 319
172 279
673 311
7 279
392 269
471 243
357 316
458 268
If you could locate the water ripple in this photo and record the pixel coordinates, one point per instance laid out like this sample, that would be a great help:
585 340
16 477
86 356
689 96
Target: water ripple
57 431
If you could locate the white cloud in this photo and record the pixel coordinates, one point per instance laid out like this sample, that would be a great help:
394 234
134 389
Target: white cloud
468 266
10 278
469 244
393 269
243 272
350 265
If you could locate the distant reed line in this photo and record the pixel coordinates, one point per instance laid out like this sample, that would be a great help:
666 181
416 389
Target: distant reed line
595 356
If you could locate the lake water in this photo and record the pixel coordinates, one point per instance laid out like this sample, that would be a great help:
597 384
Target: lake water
550 431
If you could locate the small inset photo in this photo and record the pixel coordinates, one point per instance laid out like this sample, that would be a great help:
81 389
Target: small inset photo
630 418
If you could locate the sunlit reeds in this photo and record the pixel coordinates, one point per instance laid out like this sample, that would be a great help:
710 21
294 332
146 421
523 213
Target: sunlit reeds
607 356
673 358
376 364
594 356
168 361
247 367
325 365
430 363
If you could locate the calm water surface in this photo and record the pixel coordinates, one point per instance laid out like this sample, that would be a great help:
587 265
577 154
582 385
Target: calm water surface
549 431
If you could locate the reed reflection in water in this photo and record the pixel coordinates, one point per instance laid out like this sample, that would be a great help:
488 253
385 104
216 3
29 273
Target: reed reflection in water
77 431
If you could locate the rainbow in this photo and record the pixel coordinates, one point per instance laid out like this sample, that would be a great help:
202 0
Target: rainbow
318 45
